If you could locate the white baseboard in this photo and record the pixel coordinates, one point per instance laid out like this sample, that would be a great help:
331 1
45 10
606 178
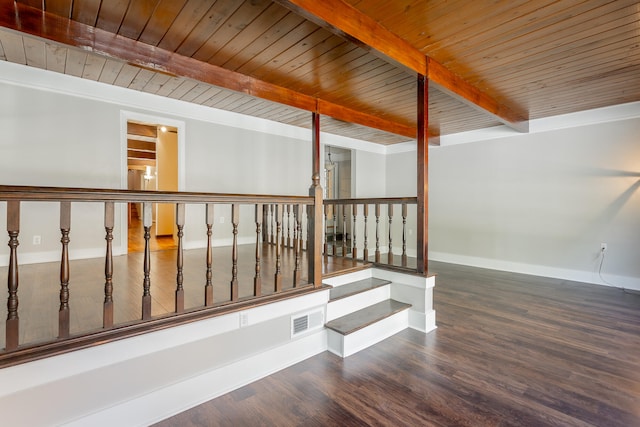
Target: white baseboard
168 401
142 379
539 270
54 256
25 258
423 322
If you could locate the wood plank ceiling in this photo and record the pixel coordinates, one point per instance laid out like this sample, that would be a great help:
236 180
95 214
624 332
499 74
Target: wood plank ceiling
544 57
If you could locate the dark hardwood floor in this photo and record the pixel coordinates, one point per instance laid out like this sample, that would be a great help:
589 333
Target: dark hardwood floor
510 350
135 241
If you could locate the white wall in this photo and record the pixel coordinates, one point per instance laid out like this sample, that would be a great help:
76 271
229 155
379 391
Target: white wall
368 174
55 137
537 203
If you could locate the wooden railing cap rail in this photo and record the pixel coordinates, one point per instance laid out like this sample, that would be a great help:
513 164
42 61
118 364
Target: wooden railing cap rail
372 201
55 194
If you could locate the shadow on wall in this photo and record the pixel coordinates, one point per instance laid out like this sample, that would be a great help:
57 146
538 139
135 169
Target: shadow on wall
616 206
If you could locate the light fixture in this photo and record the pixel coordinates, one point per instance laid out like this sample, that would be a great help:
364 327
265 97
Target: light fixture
163 128
329 155
147 173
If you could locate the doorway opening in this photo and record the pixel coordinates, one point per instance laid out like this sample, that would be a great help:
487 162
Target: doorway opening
337 185
152 164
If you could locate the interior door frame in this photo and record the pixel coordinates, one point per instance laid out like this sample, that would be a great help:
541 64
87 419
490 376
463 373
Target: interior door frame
125 117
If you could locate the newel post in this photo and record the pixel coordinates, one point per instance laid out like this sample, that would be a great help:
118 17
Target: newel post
423 175
314 246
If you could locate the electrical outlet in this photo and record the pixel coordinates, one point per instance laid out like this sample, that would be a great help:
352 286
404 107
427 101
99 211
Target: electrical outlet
221 220
603 247
244 319
37 240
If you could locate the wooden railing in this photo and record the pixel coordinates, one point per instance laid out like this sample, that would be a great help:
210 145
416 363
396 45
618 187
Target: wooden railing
366 229
276 210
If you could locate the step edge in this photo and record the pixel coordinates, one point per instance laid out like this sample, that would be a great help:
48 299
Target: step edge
385 282
403 306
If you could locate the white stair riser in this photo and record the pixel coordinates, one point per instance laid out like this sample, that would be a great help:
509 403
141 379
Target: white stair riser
348 278
346 345
356 302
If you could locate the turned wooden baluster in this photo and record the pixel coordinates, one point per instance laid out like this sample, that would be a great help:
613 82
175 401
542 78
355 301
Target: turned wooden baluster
326 230
365 252
390 254
208 287
257 283
235 219
278 275
335 229
107 310
288 245
265 223
298 229
377 212
146 283
353 232
404 234
13 322
271 222
296 235
63 311
344 230
180 259
301 236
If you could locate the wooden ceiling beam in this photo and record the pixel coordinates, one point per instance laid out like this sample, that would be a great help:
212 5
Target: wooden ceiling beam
33 21
348 22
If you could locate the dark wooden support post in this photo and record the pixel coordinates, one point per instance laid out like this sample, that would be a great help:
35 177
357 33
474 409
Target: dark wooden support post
314 243
404 234
377 212
13 322
180 259
107 311
146 283
278 276
257 282
365 252
390 215
423 174
235 219
297 224
63 311
208 287
354 254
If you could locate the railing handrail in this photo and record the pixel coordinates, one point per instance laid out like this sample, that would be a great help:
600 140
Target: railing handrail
346 214
57 194
265 208
372 201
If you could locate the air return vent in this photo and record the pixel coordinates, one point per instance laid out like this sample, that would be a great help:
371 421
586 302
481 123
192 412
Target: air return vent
301 323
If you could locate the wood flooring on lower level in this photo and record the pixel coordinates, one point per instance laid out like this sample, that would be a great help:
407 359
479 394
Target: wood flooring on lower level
39 288
510 350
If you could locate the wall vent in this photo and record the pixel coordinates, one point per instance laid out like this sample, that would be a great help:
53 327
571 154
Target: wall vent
301 323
